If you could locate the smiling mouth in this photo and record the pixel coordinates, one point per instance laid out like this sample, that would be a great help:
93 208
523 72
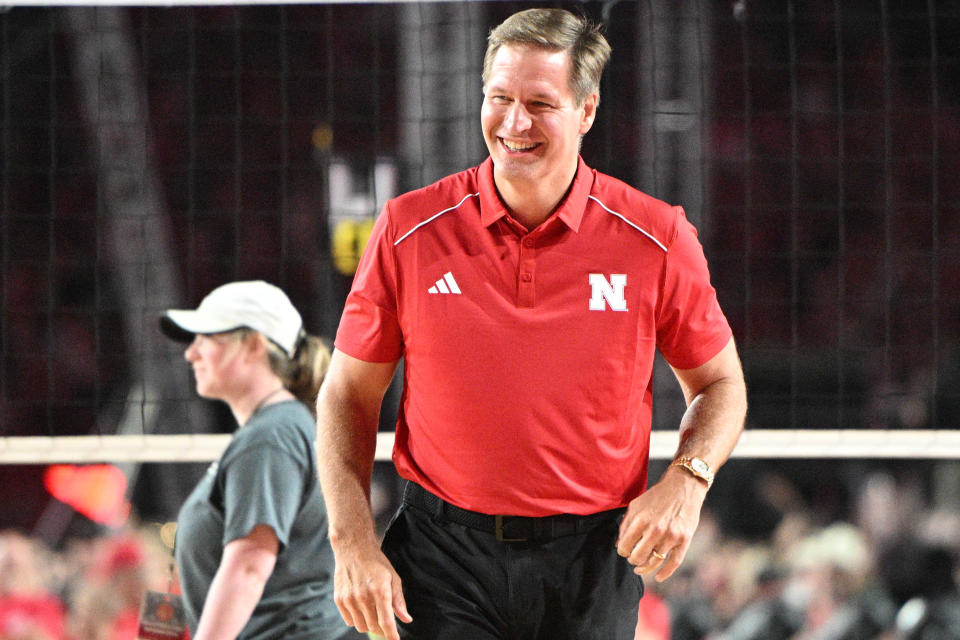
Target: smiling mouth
518 147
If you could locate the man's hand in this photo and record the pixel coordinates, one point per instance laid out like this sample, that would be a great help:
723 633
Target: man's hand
368 592
659 524
366 588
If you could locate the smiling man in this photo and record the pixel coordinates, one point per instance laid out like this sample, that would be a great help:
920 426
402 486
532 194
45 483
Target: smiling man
527 297
532 123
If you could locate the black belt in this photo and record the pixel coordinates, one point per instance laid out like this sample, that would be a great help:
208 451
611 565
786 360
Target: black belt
507 528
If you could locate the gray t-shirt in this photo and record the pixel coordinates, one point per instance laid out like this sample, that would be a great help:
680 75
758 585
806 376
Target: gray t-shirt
267 475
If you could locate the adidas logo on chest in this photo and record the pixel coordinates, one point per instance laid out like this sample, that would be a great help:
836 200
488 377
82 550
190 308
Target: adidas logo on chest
445 285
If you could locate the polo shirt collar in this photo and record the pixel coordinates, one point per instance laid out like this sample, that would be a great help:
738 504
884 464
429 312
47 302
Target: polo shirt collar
570 210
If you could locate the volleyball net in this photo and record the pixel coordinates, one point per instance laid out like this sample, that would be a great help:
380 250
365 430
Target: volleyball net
758 444
150 154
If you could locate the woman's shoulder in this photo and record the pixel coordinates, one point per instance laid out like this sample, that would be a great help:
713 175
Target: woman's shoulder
285 425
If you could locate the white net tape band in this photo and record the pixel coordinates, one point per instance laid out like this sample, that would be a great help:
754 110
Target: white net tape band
931 444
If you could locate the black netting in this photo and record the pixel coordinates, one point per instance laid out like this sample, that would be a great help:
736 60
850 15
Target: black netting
814 144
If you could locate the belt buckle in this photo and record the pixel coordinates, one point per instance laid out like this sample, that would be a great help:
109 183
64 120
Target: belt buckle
498 528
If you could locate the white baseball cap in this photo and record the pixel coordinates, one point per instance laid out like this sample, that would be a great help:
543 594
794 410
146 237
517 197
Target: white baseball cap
254 304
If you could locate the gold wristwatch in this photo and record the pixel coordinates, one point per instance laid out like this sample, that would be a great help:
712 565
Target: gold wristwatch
697 466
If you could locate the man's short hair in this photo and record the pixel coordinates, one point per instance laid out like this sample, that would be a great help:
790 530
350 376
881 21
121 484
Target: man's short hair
556 30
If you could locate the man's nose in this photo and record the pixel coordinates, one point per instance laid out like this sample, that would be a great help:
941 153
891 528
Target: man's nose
518 118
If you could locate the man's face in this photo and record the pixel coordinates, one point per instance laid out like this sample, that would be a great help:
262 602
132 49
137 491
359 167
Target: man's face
530 120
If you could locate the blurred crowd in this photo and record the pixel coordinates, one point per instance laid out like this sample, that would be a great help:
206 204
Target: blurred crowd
887 571
90 589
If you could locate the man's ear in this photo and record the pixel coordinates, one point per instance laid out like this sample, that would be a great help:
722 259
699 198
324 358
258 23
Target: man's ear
589 107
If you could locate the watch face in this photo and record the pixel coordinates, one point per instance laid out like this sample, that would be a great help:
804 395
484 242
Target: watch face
700 466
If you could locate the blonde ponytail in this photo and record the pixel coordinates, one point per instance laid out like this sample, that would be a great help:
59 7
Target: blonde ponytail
303 374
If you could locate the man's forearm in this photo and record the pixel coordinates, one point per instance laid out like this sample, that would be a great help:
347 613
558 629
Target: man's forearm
346 445
713 422
347 496
716 397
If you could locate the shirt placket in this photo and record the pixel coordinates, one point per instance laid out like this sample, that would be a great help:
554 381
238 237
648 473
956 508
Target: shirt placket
527 272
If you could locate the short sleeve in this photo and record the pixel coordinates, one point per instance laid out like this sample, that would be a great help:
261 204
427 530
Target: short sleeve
691 327
262 485
369 326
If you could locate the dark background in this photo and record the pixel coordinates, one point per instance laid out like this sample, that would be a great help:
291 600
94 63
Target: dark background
825 148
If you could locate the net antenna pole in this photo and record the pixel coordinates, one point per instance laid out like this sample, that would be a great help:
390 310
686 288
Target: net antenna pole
440 58
137 245
674 71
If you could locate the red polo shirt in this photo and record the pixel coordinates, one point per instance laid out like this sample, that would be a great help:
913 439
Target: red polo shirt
528 356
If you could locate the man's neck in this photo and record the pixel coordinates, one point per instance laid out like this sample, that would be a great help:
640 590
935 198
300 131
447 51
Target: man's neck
530 202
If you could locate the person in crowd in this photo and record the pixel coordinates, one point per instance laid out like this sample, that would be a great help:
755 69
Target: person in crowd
106 593
527 297
925 577
29 610
251 545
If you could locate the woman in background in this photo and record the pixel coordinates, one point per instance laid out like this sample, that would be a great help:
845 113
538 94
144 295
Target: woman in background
251 547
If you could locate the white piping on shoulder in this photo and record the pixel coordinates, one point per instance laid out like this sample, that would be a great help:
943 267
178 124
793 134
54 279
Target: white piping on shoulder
435 216
646 233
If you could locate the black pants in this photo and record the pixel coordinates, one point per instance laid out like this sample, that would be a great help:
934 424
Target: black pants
461 583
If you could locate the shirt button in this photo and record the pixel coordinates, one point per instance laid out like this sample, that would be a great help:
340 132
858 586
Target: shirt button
526 277
528 242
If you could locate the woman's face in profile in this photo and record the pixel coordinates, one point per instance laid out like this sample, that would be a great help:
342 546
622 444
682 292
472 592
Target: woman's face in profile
215 359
